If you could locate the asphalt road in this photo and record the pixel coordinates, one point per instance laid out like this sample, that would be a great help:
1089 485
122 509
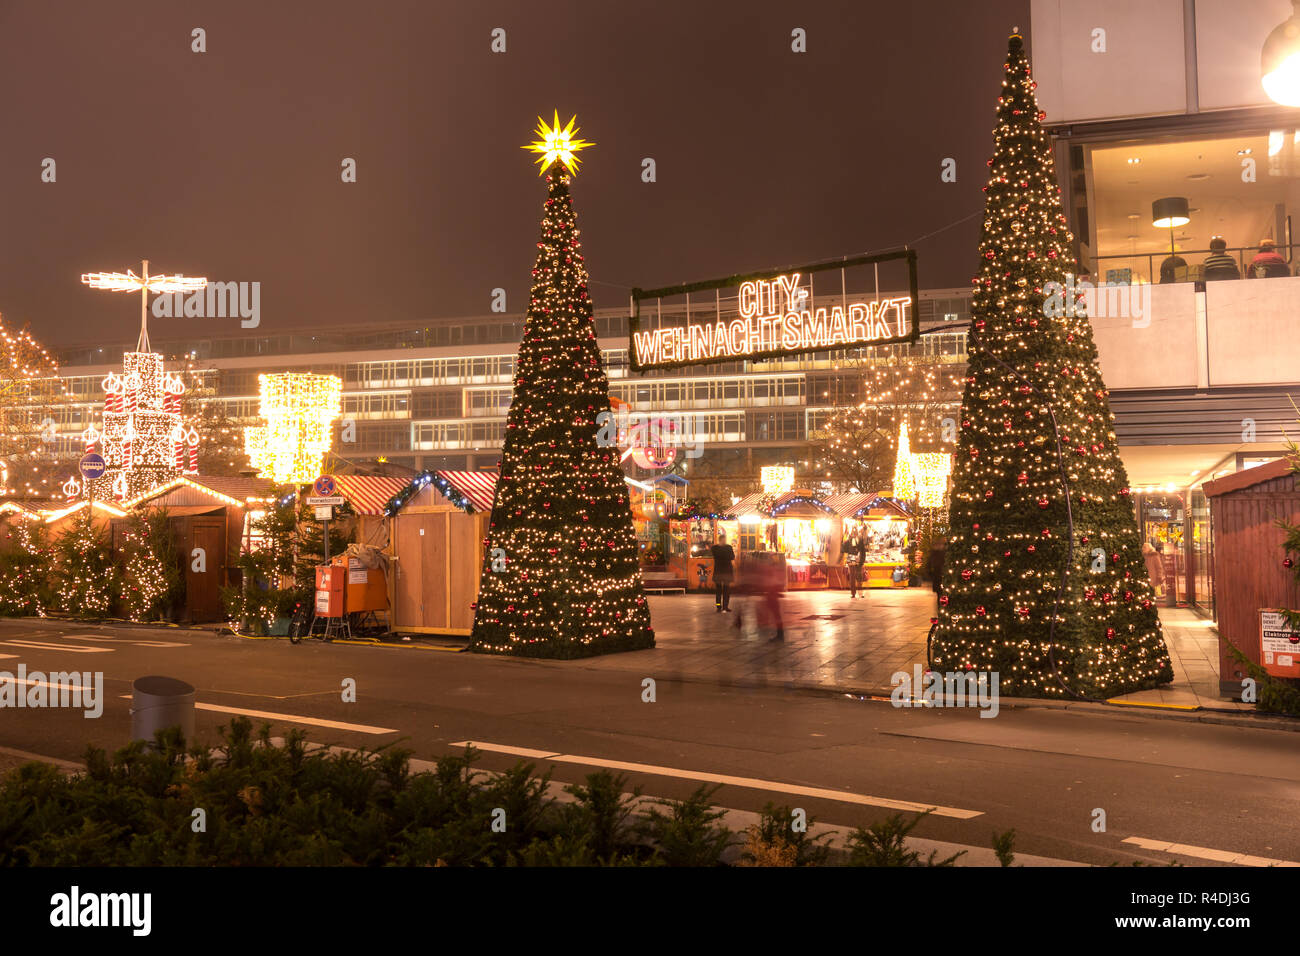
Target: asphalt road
847 761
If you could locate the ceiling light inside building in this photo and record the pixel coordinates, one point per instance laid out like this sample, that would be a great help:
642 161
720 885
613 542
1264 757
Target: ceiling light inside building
1279 62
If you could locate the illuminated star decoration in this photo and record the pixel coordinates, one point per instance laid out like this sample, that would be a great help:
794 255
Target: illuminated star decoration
557 143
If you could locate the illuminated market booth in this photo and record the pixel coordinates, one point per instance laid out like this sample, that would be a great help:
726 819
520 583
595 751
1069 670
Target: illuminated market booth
886 527
691 536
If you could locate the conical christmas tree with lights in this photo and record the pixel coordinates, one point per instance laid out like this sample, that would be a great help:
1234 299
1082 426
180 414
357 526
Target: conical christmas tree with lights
1044 580
560 574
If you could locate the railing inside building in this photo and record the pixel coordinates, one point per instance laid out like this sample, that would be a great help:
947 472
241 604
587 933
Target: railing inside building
1155 267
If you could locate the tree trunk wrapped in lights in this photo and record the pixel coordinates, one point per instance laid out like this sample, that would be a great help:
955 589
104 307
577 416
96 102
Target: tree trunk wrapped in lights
1011 566
560 574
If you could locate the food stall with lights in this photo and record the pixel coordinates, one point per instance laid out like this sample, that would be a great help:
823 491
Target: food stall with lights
807 532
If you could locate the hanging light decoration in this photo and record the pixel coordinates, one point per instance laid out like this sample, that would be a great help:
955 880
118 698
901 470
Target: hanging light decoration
299 409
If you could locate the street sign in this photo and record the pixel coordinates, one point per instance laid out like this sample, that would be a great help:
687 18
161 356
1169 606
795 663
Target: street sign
92 466
324 513
325 487
1279 644
321 502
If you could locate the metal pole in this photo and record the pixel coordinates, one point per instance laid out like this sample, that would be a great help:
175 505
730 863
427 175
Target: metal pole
143 344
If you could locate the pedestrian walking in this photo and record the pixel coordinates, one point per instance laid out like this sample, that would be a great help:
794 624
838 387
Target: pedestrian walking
857 567
938 551
724 563
770 613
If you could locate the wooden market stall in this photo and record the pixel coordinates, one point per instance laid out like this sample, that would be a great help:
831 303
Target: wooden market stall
1251 577
211 516
435 542
887 527
795 529
689 551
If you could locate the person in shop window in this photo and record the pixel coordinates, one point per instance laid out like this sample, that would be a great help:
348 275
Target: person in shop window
1218 264
1169 270
724 561
1267 264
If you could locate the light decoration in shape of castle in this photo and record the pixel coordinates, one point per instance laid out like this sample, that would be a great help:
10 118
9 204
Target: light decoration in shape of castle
922 476
144 441
299 409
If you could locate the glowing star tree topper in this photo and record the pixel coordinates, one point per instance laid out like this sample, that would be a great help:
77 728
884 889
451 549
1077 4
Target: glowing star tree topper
557 143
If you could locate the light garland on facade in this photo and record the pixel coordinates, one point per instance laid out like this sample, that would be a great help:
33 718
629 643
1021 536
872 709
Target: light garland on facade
299 409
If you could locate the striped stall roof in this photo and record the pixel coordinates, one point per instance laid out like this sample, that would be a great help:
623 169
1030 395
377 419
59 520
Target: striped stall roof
480 487
747 505
846 506
368 494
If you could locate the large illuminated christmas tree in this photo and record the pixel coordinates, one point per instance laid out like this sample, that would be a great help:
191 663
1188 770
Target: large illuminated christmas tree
560 575
1036 425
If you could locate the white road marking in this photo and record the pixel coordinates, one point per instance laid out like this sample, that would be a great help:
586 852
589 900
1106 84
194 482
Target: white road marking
125 640
752 783
72 648
1206 853
297 719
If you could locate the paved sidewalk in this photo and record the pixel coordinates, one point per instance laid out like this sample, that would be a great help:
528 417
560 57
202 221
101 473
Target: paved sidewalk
835 642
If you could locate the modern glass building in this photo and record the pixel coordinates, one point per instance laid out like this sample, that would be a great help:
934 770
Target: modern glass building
437 396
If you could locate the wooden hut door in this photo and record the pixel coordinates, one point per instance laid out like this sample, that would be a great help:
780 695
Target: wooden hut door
421 570
203 588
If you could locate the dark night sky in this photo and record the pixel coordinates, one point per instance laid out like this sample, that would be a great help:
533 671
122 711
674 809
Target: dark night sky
226 164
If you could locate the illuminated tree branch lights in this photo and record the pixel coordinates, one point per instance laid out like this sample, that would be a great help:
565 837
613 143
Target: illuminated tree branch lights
561 576
1055 616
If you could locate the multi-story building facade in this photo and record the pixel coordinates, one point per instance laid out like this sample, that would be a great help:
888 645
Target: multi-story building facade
1165 140
437 396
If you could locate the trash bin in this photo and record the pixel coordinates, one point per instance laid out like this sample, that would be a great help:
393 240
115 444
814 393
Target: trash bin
158 703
